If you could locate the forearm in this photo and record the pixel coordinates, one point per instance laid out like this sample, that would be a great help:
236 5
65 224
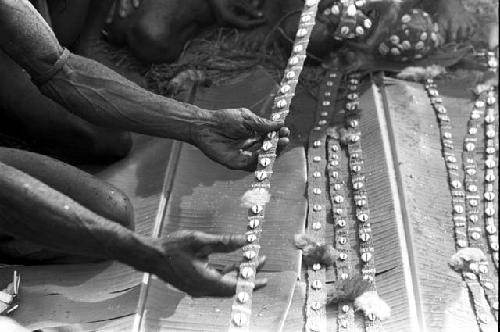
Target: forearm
85 87
26 37
32 211
103 97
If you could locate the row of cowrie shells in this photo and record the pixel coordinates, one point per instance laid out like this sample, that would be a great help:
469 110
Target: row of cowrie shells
358 181
316 319
490 131
471 190
241 310
490 194
491 163
357 178
342 244
459 196
473 201
454 176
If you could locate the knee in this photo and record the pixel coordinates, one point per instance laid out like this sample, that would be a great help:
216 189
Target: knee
121 208
111 145
153 42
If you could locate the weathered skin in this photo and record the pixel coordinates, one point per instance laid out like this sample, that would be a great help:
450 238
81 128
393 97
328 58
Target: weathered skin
77 25
158 30
56 206
55 221
37 118
98 196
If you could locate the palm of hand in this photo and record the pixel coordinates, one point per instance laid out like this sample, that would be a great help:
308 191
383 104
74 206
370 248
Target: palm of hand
184 270
184 263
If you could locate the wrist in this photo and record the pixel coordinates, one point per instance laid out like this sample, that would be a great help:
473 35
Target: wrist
140 252
201 118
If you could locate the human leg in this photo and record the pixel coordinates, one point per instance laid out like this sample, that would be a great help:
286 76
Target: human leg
84 189
87 190
26 113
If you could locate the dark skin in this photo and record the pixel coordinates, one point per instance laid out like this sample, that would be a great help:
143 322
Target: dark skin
77 25
237 132
50 209
180 258
156 31
143 24
54 129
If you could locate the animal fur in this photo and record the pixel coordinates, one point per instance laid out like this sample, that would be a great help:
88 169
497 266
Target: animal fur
464 257
488 81
418 74
314 252
347 290
372 304
255 196
342 134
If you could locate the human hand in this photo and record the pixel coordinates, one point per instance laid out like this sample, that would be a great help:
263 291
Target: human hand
233 137
233 12
184 263
123 7
455 24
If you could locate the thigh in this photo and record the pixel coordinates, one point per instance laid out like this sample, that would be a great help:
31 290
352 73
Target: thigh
87 190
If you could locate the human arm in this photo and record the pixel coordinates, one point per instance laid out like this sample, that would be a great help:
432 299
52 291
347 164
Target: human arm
33 211
103 97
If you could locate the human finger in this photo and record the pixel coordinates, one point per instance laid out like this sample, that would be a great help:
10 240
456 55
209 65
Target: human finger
244 23
216 284
236 266
217 243
226 285
136 3
111 13
443 28
248 9
282 144
262 125
124 8
242 160
252 144
284 132
461 33
453 33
